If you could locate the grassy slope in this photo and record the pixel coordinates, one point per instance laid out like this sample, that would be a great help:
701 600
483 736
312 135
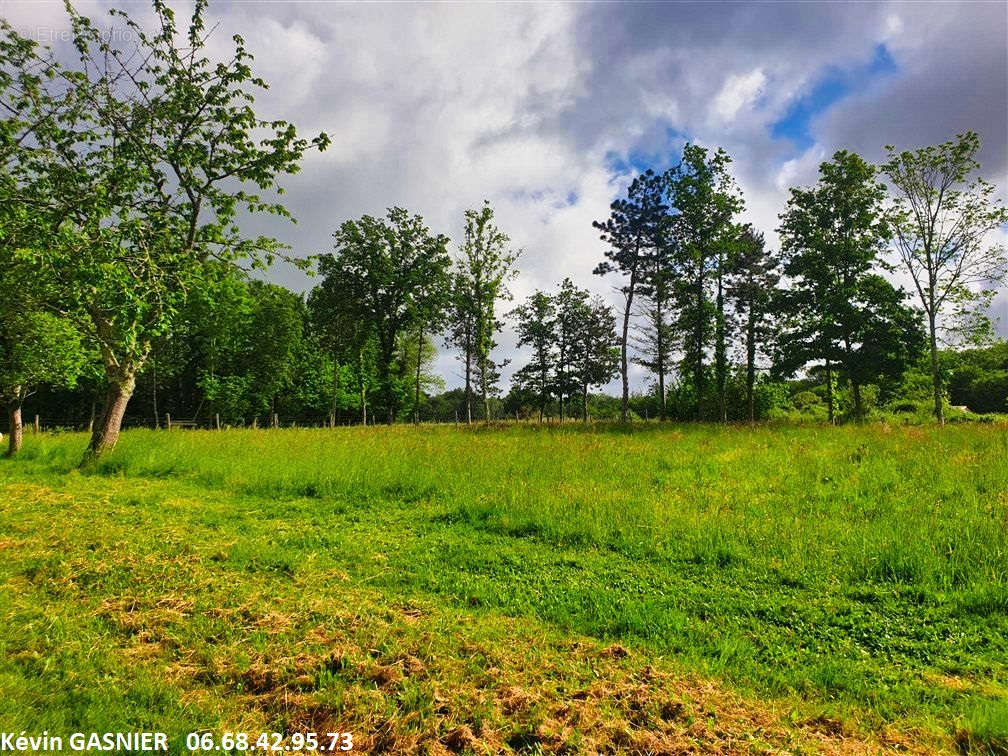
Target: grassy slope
451 587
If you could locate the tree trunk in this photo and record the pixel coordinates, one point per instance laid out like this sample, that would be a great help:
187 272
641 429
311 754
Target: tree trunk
16 429
106 431
720 349
829 391
858 405
624 367
483 390
855 386
468 377
751 365
363 388
936 382
416 398
157 416
698 376
584 403
660 343
336 386
385 376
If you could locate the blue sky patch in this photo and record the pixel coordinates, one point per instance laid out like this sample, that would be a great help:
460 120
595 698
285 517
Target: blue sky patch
833 85
638 160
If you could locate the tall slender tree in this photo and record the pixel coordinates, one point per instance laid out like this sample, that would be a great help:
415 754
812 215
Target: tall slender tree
656 340
706 198
487 264
462 329
632 228
942 220
751 288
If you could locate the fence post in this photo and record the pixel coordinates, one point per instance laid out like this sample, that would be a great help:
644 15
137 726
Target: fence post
168 420
276 420
217 420
255 423
37 426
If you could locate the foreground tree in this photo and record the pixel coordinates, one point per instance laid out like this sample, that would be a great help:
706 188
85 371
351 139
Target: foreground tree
942 221
633 227
152 172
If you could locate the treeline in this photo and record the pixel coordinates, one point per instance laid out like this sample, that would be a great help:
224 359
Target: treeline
126 295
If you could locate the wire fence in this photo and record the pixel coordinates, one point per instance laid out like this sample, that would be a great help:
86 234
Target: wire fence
49 424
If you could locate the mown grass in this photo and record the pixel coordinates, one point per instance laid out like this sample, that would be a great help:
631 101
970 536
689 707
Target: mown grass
854 576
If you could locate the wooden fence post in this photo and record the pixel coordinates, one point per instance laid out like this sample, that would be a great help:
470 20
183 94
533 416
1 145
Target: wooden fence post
217 420
168 420
37 426
276 420
255 422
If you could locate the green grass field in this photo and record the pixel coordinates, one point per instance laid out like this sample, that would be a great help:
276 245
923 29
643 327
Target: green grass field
554 589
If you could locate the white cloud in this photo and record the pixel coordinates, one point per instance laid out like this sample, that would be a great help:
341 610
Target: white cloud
739 91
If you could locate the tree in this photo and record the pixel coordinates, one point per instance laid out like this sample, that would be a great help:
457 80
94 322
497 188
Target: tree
417 359
941 221
337 311
274 341
751 288
536 323
571 313
595 355
655 339
657 333
705 198
430 303
832 239
461 333
151 174
486 265
390 265
35 347
633 226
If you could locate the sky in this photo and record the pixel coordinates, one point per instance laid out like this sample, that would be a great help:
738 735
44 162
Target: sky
547 109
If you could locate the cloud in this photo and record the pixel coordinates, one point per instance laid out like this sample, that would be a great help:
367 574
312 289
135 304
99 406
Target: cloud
543 109
739 91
